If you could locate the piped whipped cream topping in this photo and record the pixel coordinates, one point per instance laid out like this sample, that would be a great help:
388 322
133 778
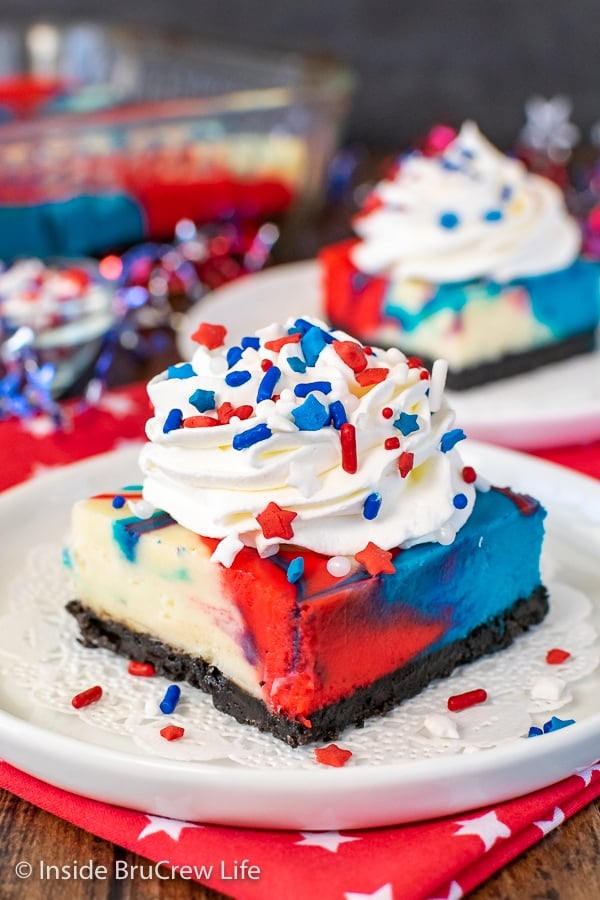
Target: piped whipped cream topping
469 212
302 436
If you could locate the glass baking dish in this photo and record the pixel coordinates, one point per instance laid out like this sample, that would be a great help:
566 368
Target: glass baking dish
109 137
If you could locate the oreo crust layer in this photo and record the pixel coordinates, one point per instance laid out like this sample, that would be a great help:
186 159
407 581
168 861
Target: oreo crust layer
377 698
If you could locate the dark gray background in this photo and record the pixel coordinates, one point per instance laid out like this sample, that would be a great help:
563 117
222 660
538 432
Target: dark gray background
418 62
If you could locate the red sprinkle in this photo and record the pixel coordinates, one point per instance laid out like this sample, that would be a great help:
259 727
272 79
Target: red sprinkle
372 376
86 697
414 362
276 522
266 364
348 442
392 443
199 422
172 732
368 351
211 336
332 755
469 698
278 343
556 656
424 376
469 474
375 560
145 670
352 354
387 412
405 463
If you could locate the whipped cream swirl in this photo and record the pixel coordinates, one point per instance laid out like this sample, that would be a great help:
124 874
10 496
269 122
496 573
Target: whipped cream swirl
470 212
267 422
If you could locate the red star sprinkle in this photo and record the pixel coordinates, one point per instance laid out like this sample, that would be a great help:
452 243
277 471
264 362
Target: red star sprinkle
375 560
199 422
225 412
352 354
172 732
556 656
372 376
276 522
278 343
405 463
210 336
332 755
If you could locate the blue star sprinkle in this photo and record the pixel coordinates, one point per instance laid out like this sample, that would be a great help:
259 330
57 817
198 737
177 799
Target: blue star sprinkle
407 423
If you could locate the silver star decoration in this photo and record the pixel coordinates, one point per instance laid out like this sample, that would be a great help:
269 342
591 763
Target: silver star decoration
548 128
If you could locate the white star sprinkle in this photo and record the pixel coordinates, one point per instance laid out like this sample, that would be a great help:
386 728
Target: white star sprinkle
586 774
455 892
328 840
547 825
382 893
487 827
171 827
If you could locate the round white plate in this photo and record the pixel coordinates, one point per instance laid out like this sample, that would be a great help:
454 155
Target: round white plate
83 759
549 407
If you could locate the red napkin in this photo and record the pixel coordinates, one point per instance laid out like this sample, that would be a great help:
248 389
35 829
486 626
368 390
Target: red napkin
439 859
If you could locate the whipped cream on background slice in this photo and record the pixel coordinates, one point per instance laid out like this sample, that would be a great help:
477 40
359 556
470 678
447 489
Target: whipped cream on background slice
208 486
501 221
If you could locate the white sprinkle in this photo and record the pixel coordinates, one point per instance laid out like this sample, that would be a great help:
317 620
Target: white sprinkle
441 726
226 550
143 509
266 546
339 566
437 384
548 688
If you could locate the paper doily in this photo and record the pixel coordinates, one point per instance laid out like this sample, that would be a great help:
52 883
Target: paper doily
39 651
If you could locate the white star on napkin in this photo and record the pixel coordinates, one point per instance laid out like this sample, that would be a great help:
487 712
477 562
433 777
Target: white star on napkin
171 827
547 825
328 840
487 827
382 893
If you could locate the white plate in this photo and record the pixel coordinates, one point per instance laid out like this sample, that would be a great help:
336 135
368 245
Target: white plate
69 754
552 406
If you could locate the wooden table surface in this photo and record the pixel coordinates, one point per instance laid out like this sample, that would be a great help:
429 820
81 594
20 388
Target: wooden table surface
565 865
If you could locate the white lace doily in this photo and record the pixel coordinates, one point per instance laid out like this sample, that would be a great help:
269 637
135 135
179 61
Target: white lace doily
40 653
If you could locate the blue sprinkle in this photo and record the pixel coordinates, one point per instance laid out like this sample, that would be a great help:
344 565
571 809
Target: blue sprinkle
449 165
311 415
173 421
267 384
555 724
312 343
451 438
251 436
534 731
202 400
295 569
296 364
372 505
170 700
493 215
506 193
338 415
468 154
118 502
449 220
184 370
301 326
235 379
303 390
460 501
253 342
234 354
406 423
